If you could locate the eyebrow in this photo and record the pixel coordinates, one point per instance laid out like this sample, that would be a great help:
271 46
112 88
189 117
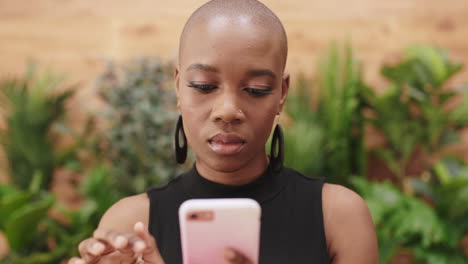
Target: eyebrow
203 67
251 73
261 72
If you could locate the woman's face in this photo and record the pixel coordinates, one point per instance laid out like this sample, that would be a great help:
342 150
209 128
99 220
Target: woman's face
230 86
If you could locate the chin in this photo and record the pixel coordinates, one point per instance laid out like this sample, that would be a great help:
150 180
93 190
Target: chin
227 164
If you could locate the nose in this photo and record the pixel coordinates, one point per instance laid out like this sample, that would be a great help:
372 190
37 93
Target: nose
227 108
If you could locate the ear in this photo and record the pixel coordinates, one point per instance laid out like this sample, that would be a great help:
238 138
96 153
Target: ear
284 90
176 83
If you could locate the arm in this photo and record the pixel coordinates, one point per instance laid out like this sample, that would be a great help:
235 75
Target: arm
125 213
348 225
119 240
121 236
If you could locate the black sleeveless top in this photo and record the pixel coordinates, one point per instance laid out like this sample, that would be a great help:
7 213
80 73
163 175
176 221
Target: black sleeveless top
292 229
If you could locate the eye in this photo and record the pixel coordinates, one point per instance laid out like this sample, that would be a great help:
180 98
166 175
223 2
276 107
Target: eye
258 92
202 88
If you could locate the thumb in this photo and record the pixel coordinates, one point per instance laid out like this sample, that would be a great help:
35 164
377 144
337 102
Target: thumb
235 257
151 253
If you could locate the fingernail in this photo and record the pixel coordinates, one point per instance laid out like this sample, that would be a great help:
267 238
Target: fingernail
80 261
120 242
139 226
139 246
97 248
229 254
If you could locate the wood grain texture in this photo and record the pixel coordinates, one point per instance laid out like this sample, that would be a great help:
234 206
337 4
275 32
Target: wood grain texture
76 37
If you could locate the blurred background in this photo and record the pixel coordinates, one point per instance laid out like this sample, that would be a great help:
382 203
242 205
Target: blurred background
379 103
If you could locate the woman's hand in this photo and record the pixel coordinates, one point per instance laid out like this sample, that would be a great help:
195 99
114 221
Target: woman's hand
108 246
233 256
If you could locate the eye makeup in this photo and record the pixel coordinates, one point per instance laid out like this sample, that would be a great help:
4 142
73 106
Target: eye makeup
207 88
258 92
202 88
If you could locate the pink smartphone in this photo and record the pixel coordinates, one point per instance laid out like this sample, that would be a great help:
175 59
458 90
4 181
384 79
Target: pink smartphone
208 226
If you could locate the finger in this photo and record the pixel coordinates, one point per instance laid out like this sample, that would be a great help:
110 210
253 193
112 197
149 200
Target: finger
117 240
151 252
137 244
144 235
76 261
116 257
126 243
92 250
235 257
91 246
109 255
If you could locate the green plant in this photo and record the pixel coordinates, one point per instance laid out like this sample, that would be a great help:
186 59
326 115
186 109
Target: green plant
326 139
406 222
446 187
319 139
98 195
450 194
24 213
96 201
35 236
411 113
32 105
141 119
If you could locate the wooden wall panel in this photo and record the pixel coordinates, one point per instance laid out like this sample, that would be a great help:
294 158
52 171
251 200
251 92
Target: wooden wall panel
77 36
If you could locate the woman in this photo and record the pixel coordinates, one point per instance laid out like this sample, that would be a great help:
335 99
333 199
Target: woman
231 87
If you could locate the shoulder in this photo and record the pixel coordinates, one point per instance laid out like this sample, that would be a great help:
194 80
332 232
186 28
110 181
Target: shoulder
342 199
126 212
347 221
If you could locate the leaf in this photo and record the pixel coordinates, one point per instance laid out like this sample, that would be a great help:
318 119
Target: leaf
416 220
54 256
398 74
10 200
439 255
417 94
304 147
431 58
6 190
23 222
460 202
442 172
381 198
387 249
32 105
459 116
36 182
97 179
446 96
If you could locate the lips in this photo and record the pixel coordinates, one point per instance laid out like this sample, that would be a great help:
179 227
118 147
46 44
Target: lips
226 143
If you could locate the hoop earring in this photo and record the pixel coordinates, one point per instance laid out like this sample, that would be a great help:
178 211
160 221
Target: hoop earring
276 161
180 151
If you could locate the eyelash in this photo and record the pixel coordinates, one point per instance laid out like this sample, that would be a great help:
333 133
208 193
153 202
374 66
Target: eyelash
202 88
207 88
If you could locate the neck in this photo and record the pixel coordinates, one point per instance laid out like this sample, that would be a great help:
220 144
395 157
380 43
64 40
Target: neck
243 175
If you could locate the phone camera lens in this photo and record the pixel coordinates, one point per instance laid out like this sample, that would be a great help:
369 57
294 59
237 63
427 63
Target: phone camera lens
193 216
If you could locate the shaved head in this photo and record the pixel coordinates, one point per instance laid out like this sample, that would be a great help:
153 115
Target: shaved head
238 14
230 82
